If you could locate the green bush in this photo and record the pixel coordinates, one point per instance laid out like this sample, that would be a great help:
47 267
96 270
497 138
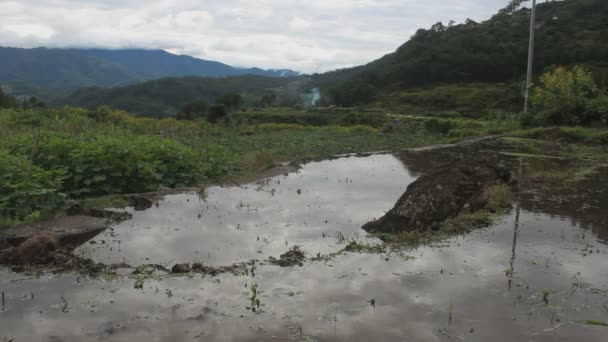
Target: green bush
24 193
565 97
123 163
597 110
438 126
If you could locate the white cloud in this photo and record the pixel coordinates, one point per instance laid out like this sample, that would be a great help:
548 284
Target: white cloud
299 24
310 36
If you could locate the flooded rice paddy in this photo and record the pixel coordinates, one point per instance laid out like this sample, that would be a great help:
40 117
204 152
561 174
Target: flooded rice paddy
538 274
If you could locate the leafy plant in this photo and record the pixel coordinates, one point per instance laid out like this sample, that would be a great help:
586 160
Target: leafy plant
563 96
25 194
96 164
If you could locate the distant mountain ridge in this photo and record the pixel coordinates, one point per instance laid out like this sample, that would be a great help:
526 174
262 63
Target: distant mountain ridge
53 73
160 63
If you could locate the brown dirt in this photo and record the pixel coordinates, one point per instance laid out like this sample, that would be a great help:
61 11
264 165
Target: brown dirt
450 190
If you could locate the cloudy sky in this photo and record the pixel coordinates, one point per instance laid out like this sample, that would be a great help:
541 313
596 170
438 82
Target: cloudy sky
305 35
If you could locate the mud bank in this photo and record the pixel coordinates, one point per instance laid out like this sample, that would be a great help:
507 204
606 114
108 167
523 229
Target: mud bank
453 189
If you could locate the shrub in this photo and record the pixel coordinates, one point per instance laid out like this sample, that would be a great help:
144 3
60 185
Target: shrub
438 126
98 165
217 161
597 110
216 113
25 191
562 97
258 160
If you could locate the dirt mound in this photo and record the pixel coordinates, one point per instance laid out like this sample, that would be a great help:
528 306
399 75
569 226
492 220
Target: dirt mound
34 248
445 193
293 257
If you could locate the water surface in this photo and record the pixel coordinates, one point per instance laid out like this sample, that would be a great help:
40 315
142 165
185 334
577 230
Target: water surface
538 274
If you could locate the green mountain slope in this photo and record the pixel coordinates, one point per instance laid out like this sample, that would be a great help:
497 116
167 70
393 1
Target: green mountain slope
30 70
568 32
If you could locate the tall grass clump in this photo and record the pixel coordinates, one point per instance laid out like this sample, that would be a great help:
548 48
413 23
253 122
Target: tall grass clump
258 160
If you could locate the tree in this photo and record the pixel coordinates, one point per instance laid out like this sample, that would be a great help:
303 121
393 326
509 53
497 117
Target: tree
33 102
267 99
7 101
563 96
230 100
193 110
217 113
512 7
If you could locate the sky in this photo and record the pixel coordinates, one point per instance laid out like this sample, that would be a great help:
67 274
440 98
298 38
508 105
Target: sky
304 35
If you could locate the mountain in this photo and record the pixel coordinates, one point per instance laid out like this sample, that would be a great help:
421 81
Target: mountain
54 73
494 51
163 97
159 63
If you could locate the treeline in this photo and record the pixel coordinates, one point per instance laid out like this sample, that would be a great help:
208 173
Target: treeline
165 97
568 32
8 101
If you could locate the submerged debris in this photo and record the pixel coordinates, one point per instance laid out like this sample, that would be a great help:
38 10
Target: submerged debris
181 268
293 257
458 188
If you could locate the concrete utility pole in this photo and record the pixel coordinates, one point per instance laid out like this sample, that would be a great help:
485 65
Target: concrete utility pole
530 55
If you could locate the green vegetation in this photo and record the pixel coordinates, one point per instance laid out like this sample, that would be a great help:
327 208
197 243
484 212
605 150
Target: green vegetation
25 189
585 135
165 97
472 100
491 52
7 101
258 160
567 97
49 155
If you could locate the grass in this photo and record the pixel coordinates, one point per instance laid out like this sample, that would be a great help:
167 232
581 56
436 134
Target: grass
256 161
584 135
453 100
112 201
548 163
290 145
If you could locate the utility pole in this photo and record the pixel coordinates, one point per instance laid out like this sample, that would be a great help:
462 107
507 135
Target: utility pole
530 55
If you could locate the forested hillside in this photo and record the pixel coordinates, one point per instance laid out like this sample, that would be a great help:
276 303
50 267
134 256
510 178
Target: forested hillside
494 51
165 96
53 71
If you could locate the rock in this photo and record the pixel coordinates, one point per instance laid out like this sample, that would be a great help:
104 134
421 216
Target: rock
4 243
38 246
445 193
73 208
6 255
291 258
181 268
140 202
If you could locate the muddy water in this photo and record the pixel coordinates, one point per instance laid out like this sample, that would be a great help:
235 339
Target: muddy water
317 208
539 274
